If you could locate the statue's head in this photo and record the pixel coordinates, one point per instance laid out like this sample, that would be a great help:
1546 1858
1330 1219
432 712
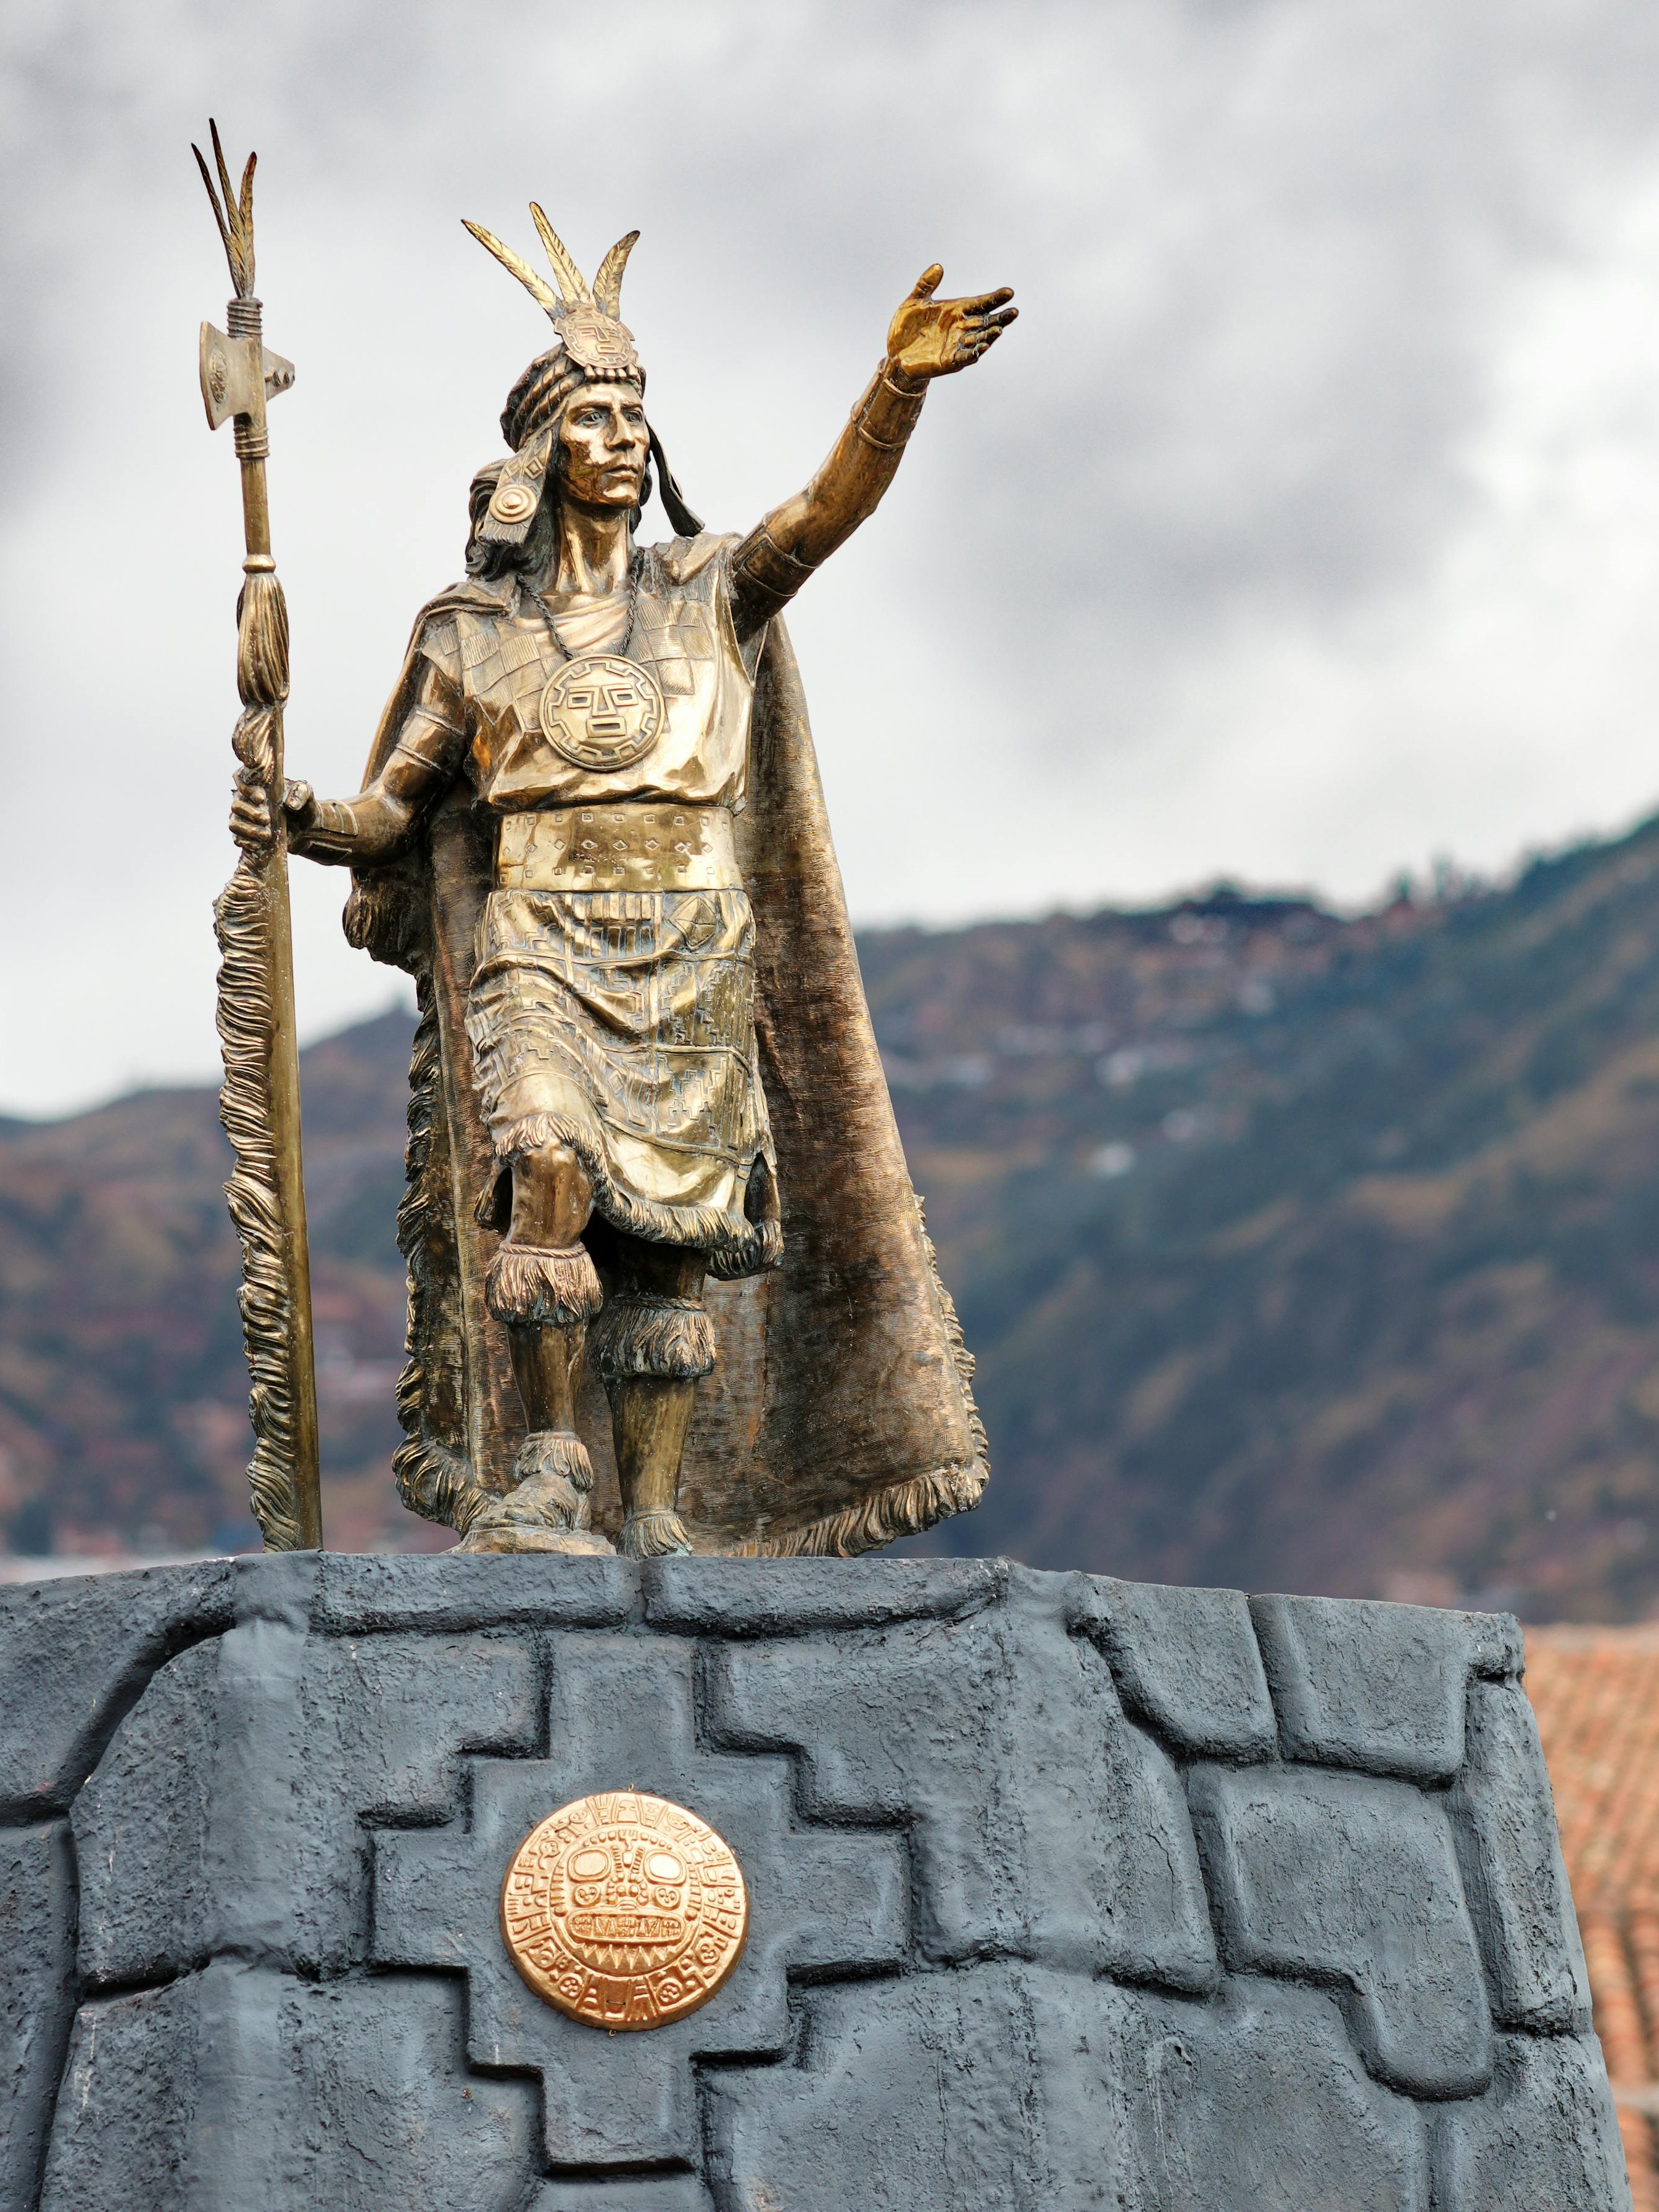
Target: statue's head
600 453
575 419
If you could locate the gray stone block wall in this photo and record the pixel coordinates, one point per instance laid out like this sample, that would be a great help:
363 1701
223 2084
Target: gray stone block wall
1065 1893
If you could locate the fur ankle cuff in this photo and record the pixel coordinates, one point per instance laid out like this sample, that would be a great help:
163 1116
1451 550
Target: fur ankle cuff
528 1283
554 1453
649 1335
653 1536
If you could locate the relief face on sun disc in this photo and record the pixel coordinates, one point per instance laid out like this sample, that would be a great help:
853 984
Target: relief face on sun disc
624 1910
602 712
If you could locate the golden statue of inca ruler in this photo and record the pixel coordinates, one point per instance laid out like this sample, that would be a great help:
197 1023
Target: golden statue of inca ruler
647 1118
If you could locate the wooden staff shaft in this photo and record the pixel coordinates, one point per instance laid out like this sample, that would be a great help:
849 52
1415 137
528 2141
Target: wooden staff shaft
283 1064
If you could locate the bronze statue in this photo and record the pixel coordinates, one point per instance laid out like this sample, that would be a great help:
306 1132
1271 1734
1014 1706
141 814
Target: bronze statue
647 1107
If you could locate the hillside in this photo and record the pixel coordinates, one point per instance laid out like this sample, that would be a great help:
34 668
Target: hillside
1297 1252
123 1393
1376 1307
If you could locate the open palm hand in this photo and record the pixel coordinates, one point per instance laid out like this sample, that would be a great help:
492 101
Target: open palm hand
936 338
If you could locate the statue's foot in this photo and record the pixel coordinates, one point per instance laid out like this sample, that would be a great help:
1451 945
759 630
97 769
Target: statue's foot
653 1536
513 1524
547 1509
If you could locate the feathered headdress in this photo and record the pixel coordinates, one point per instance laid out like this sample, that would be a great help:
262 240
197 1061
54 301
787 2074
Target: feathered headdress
593 346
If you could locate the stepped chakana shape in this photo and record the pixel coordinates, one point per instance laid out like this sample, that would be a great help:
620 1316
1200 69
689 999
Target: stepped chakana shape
820 1900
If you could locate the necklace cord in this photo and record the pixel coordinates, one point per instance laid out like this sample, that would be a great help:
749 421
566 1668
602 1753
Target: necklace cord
633 614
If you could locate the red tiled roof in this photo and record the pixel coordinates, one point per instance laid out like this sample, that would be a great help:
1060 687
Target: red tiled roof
1596 1691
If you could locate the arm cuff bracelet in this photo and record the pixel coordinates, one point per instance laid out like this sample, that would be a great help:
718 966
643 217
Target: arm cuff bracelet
766 577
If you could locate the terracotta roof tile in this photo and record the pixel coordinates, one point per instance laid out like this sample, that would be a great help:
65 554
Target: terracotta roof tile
1596 1691
1597 1695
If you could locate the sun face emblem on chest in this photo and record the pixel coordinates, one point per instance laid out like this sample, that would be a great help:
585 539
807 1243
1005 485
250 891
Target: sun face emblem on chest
601 712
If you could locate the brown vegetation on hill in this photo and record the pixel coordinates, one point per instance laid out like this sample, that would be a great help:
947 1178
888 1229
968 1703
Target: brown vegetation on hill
1342 1276
123 1393
1298 1252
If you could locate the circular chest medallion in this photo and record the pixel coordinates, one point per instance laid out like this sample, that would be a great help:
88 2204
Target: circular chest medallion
602 712
624 1910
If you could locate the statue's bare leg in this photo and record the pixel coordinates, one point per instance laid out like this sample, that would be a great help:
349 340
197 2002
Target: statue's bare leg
542 1285
654 1342
549 1309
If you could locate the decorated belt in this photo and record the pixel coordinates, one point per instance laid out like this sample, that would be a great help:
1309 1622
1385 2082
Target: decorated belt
633 845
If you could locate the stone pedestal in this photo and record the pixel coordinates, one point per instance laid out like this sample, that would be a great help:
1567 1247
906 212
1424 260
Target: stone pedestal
1065 1893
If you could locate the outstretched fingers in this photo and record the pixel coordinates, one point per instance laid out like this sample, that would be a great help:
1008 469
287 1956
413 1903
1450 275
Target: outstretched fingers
930 336
979 333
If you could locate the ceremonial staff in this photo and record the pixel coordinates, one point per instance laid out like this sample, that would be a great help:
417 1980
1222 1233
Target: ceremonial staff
259 1103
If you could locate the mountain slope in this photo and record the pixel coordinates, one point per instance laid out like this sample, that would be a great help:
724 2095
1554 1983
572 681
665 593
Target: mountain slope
1377 1305
1297 1251
123 1393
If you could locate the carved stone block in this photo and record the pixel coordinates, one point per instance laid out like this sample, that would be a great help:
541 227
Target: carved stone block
1547 2134
1186 1662
1505 1822
1345 1879
1045 1824
37 1997
1261 2100
1381 1687
233 1806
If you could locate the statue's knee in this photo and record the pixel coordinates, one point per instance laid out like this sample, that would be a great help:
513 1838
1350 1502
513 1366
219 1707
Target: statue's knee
552 1196
543 1273
546 1168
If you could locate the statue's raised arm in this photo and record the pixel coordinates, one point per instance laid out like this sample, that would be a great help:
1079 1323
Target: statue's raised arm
928 337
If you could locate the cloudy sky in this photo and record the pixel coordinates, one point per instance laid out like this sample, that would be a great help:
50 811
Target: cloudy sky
1305 528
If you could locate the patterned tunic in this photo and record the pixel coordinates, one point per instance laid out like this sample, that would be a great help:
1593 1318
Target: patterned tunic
606 1013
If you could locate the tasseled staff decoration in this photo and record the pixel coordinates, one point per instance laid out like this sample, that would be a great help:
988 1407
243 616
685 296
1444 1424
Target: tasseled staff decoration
259 1103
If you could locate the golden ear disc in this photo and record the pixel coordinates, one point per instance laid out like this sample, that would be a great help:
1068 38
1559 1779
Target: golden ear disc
624 1910
513 502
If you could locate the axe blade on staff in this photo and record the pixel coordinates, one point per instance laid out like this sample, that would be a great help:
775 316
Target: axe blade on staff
259 1103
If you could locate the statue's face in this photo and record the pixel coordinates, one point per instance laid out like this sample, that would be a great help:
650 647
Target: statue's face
604 446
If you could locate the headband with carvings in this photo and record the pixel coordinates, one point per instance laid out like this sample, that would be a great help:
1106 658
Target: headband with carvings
593 346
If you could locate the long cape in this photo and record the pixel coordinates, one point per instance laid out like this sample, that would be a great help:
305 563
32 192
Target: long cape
841 1414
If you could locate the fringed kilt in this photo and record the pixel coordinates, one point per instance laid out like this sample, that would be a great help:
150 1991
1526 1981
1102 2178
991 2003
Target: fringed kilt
622 1024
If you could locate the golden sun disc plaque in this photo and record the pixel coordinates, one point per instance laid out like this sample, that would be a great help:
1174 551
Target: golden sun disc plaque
624 1910
601 712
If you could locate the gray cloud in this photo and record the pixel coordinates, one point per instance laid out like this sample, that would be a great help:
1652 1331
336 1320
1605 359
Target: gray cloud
1265 252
